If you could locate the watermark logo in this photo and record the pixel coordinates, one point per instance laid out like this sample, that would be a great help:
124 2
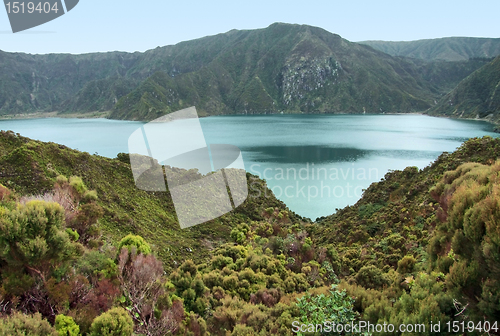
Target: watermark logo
310 183
158 147
28 14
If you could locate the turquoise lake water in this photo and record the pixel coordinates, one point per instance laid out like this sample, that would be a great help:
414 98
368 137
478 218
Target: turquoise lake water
314 163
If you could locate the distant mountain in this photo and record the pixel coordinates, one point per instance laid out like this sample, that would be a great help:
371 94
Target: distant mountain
443 76
444 49
477 96
284 67
48 82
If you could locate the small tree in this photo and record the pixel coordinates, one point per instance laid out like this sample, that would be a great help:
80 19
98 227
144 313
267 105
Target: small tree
336 307
142 283
81 210
32 237
66 326
133 241
114 322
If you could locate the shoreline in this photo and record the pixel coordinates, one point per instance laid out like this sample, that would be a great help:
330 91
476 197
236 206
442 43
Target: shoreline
46 115
105 114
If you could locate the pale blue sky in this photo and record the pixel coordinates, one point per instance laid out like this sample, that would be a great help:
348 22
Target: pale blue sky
126 25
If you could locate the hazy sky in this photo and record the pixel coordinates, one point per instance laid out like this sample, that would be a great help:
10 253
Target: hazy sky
125 25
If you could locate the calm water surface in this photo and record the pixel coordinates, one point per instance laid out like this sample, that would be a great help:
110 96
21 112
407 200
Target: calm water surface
314 163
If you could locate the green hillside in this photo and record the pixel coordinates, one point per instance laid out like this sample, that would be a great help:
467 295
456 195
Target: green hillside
477 96
419 246
433 226
444 49
30 167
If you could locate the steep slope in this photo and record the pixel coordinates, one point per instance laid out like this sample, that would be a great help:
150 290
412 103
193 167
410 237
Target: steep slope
438 227
477 96
444 76
283 67
30 167
99 95
401 203
444 49
43 82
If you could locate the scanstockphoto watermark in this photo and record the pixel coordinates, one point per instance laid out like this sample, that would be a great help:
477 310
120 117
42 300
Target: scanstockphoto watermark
197 198
362 327
311 182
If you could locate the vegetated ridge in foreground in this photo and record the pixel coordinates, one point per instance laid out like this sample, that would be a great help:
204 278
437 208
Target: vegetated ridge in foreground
419 246
284 67
30 167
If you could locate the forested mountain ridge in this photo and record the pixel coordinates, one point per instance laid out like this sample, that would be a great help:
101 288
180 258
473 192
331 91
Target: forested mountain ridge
284 67
444 49
45 82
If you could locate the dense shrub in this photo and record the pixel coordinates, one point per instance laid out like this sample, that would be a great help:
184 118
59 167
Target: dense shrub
114 322
66 326
19 324
33 240
316 309
371 277
406 264
402 257
133 241
469 244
